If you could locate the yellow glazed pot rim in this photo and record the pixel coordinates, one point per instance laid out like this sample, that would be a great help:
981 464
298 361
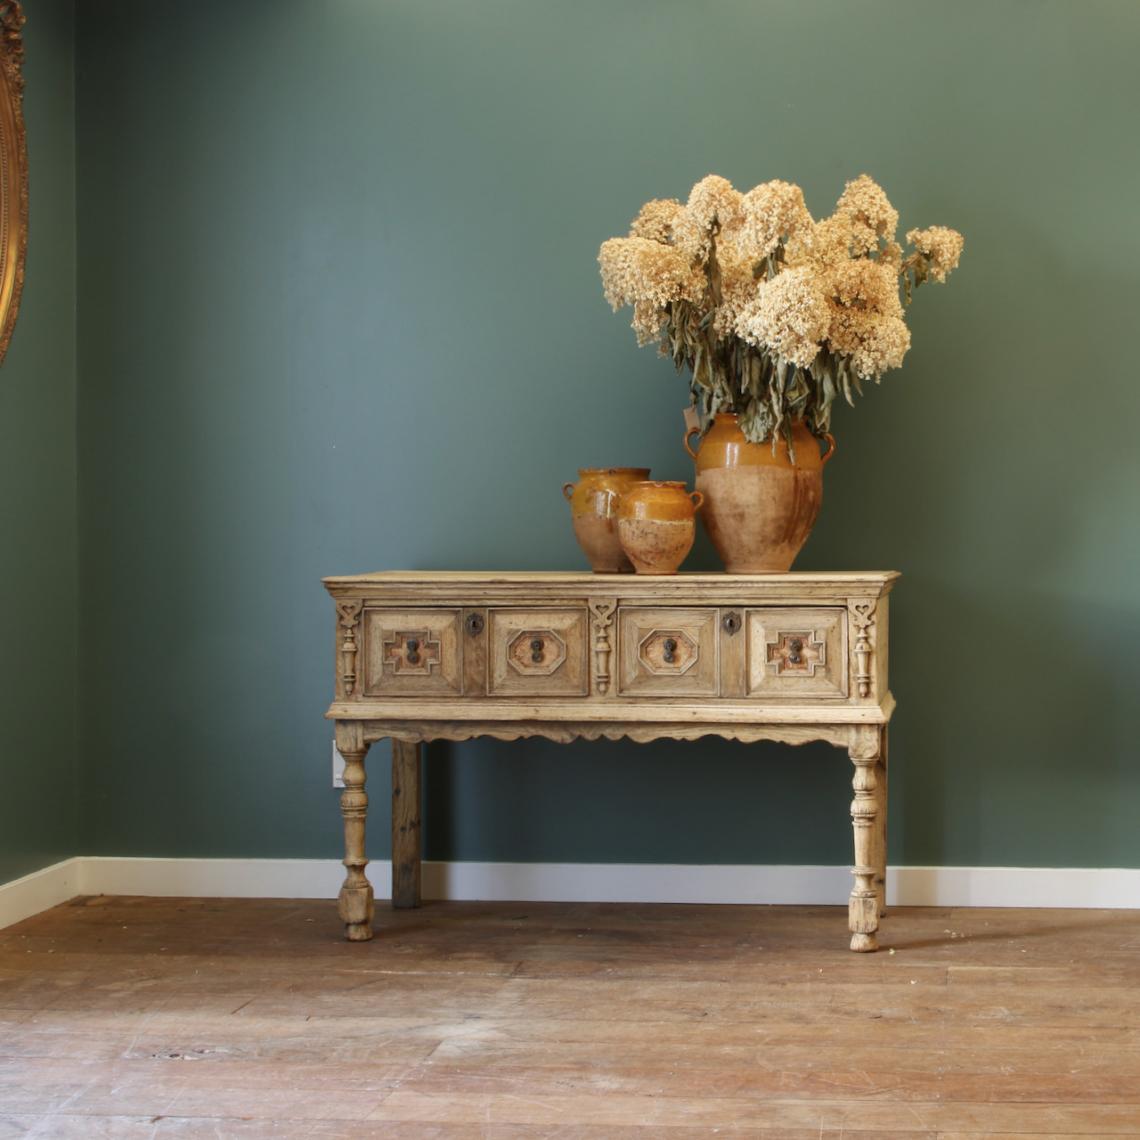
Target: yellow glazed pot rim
583 471
660 500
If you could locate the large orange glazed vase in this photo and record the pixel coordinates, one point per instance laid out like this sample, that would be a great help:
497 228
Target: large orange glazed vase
759 505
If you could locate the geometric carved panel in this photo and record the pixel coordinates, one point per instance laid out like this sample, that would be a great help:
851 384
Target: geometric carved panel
536 652
796 652
413 652
668 652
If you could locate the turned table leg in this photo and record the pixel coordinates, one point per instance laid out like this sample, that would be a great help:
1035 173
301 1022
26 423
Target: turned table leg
881 826
863 910
355 899
405 824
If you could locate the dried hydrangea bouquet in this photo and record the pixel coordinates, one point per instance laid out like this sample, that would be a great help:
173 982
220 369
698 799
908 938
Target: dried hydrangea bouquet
776 315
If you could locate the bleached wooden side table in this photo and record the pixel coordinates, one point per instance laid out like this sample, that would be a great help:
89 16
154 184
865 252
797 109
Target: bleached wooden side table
452 655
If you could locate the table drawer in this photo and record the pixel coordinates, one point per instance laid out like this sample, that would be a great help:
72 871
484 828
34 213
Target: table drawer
668 651
538 653
412 652
796 652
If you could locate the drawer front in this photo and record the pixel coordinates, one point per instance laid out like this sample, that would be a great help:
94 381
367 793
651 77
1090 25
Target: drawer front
797 652
538 653
412 653
668 651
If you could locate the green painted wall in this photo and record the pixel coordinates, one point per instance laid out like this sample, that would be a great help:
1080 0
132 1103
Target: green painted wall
340 311
38 787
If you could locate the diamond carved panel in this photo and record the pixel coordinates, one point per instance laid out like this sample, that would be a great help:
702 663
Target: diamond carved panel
668 652
536 652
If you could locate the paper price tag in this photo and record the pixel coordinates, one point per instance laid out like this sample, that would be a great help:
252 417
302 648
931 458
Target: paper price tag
692 419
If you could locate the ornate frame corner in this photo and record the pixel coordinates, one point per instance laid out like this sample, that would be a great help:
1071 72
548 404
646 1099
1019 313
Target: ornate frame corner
13 170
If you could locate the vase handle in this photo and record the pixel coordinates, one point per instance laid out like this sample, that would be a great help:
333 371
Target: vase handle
696 496
830 448
567 491
692 431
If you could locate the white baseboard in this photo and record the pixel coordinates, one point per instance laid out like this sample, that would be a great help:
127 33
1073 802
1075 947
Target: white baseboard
635 882
40 890
1094 887
222 878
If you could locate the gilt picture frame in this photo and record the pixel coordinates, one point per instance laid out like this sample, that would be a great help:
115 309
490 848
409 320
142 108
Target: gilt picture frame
13 169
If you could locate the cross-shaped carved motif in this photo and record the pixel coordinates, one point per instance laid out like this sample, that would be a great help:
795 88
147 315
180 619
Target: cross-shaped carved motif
413 652
796 652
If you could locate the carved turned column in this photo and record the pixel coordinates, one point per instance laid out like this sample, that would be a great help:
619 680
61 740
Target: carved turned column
602 619
881 825
355 899
863 909
348 620
406 843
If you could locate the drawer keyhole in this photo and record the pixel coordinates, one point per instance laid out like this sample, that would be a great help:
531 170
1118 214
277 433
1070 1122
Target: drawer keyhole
795 646
670 653
536 647
413 654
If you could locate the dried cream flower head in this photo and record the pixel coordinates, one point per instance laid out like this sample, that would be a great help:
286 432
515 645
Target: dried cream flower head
789 315
655 220
826 242
883 346
713 206
637 269
941 247
866 324
872 216
864 284
772 212
714 202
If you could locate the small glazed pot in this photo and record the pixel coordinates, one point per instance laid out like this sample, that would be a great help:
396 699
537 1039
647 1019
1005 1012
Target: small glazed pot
593 507
656 525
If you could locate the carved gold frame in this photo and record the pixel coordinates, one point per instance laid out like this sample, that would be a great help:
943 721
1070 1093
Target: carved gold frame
13 169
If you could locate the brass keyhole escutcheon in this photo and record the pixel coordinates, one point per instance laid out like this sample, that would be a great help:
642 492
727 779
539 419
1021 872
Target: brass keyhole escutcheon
474 624
730 623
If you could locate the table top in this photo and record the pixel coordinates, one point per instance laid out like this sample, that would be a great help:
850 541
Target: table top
850 578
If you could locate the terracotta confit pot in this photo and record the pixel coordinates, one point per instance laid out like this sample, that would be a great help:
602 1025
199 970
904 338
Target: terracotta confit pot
593 508
656 525
760 506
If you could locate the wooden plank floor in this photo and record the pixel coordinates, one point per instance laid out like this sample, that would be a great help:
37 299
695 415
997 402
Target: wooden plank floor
130 1017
